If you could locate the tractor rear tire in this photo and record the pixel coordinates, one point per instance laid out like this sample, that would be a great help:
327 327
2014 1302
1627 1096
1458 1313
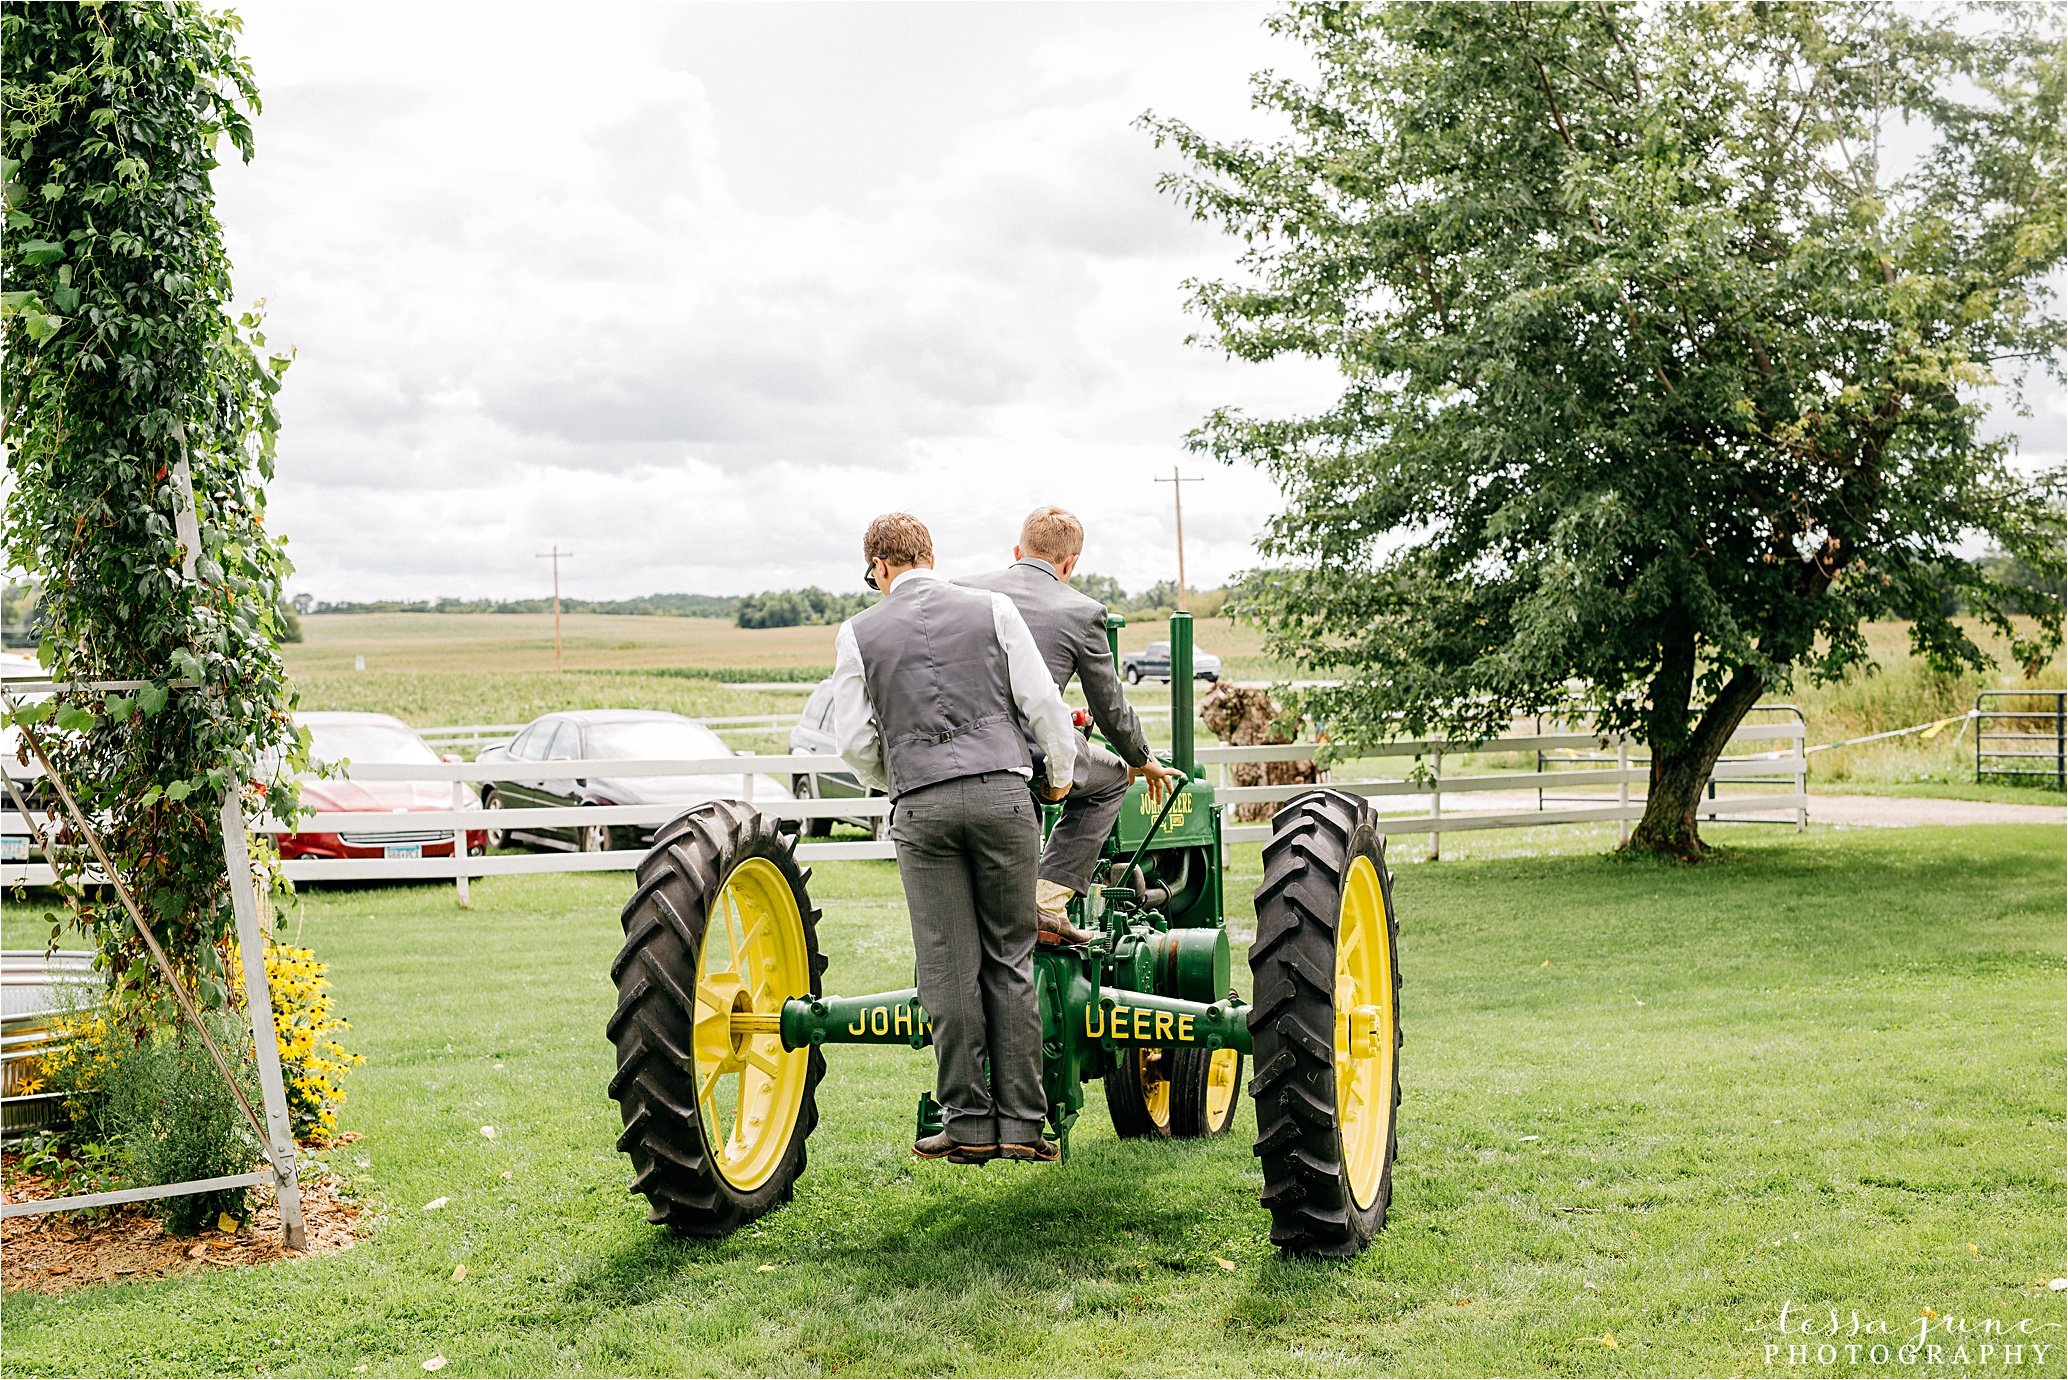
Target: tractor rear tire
1325 1029
721 869
1205 1087
1138 1092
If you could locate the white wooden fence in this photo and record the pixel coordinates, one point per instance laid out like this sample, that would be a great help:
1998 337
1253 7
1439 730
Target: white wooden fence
1436 804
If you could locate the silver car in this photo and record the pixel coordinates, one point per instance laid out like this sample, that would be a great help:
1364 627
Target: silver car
813 734
632 734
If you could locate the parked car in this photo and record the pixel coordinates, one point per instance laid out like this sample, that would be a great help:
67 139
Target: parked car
16 844
590 734
1153 663
814 734
358 739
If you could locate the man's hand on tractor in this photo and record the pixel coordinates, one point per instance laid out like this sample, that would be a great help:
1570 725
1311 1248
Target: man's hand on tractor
1160 778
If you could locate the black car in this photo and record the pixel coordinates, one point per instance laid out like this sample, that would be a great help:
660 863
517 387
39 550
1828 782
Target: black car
591 734
1153 663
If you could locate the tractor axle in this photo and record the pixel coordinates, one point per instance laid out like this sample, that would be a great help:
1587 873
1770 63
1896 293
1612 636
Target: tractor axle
1110 1016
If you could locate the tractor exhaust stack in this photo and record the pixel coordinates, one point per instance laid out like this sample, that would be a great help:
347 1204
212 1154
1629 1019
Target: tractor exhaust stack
1181 694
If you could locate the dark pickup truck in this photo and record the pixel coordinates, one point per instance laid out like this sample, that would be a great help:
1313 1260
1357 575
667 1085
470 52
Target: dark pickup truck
1153 663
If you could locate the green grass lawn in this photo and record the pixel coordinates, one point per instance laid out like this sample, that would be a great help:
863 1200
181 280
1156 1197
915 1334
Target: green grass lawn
1642 1102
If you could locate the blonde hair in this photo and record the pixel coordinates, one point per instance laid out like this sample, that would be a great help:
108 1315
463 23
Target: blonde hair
898 538
1052 534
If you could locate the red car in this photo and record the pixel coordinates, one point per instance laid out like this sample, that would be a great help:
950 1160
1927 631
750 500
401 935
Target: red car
357 738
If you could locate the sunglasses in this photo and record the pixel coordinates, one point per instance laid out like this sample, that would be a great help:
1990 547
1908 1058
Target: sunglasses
869 578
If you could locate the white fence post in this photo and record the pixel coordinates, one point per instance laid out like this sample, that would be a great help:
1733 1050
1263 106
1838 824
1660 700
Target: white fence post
1435 804
265 1038
1802 814
1623 787
459 849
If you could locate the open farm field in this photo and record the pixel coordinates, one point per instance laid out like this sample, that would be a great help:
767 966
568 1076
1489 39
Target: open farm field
440 669
435 669
1645 1106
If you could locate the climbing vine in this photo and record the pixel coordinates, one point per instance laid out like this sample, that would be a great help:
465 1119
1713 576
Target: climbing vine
123 357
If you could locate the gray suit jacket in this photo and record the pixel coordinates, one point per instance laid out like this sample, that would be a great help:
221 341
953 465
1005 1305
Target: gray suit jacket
1070 629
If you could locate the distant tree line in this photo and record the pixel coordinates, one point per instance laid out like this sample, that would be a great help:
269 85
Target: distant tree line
795 608
1157 601
664 605
781 608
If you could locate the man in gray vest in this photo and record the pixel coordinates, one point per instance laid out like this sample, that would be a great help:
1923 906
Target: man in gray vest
1070 629
937 691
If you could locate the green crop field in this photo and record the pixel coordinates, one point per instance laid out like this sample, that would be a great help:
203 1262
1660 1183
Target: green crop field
1645 1108
440 669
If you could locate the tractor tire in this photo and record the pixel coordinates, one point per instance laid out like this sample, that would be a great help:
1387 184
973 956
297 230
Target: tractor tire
1205 1086
1325 1029
720 879
1138 1092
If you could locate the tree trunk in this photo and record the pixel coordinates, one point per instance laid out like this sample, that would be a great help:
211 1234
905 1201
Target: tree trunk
1680 772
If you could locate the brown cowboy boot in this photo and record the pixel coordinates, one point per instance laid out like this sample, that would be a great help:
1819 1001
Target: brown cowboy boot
941 1146
1054 925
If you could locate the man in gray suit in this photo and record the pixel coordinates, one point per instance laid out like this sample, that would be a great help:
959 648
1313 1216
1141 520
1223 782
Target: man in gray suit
937 692
1070 629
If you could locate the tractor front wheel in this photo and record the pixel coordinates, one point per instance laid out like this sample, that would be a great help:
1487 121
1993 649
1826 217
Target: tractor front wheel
1138 1092
716 1111
1205 1085
1325 1029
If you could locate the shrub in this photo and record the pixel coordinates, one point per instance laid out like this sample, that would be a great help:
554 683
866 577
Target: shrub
313 1063
173 1121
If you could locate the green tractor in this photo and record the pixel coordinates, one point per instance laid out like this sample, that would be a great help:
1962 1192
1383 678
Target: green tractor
722 1015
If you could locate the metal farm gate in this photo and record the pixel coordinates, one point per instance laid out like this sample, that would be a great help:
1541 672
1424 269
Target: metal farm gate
2020 734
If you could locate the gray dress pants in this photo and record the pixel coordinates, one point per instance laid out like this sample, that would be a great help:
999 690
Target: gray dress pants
1098 788
967 851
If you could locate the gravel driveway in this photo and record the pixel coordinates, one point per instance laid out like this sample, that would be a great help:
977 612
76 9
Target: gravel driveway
1894 811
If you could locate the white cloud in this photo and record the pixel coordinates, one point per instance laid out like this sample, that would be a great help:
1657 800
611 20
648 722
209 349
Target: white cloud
700 290
697 290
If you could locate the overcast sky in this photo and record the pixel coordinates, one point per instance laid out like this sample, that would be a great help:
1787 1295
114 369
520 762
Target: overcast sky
695 291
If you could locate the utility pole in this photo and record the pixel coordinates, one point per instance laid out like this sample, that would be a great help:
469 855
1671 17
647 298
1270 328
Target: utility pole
1177 484
555 555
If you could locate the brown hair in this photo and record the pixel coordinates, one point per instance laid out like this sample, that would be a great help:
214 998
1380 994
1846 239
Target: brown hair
1053 534
898 538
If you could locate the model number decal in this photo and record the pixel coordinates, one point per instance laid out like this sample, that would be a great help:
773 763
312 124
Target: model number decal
1180 811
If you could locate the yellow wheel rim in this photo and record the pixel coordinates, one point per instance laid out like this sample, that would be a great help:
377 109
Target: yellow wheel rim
1221 1072
1152 1067
749 1089
1364 1031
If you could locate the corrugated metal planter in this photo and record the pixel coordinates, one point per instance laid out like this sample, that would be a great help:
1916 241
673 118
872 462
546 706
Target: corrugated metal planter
35 990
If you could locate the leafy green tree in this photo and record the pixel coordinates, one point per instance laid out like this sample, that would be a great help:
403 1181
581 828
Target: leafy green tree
794 608
1662 368
122 359
1159 597
1103 588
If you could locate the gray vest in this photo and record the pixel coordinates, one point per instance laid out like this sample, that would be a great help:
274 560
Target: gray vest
937 681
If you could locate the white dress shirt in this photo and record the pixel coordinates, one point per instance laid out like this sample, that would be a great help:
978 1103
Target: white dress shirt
854 722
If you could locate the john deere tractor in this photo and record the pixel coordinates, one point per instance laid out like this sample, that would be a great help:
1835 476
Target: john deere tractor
723 1017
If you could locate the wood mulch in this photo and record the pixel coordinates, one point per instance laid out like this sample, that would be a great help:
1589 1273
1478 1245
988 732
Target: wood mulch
61 1251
